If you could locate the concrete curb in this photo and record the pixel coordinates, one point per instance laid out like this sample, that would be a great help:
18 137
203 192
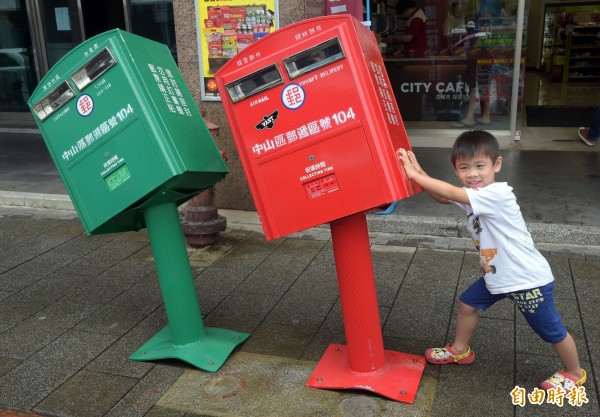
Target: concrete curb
438 226
36 200
554 236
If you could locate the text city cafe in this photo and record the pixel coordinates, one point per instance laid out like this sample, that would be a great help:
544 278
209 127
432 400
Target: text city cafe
440 87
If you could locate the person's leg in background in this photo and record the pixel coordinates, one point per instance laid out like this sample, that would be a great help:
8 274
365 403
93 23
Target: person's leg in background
485 118
590 135
470 120
479 90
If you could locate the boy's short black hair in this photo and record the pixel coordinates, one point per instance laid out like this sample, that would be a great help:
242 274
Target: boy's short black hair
404 5
473 143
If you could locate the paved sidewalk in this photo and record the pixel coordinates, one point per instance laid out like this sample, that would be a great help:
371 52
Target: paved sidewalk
73 308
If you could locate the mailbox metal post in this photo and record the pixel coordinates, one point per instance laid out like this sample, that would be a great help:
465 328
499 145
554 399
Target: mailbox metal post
363 363
185 337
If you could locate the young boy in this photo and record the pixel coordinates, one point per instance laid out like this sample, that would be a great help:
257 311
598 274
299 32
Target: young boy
511 266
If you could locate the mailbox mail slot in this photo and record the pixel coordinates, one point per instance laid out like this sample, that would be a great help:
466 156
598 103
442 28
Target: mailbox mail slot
316 124
123 130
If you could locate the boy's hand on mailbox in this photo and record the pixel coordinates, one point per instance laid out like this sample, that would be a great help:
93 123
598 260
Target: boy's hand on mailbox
411 166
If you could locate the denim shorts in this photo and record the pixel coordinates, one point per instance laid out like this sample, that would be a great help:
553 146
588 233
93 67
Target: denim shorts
536 304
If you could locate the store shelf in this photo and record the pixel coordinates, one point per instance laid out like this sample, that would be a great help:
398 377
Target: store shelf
550 40
582 54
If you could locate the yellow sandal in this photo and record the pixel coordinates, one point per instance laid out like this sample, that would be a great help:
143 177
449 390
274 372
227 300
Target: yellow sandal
563 380
442 356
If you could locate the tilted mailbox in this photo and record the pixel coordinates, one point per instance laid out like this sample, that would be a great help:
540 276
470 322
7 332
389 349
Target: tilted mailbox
316 124
122 127
130 145
317 127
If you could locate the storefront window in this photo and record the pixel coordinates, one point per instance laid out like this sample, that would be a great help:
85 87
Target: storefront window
459 75
17 75
153 19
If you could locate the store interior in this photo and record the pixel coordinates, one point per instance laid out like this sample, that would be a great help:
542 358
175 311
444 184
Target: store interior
565 72
568 70
562 69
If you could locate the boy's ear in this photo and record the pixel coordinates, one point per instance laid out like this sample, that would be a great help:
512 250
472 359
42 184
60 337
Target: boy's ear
498 164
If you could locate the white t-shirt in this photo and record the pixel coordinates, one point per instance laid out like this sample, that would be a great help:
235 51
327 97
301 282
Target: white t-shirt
509 259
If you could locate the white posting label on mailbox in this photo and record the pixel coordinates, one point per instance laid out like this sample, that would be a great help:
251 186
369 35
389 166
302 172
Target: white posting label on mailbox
85 105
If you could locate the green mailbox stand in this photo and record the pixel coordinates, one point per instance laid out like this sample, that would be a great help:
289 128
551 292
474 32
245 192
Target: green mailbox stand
130 145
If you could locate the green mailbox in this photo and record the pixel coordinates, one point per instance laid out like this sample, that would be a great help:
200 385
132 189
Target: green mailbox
130 145
123 129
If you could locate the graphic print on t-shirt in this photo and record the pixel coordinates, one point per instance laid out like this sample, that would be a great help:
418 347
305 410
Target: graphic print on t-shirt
485 255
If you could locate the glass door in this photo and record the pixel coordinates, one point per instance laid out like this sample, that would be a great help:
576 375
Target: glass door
59 28
17 68
36 34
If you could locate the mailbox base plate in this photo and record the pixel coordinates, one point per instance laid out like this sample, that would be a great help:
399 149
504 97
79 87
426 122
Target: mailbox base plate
397 380
208 353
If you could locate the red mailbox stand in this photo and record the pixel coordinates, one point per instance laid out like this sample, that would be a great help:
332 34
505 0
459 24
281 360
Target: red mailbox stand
316 125
363 363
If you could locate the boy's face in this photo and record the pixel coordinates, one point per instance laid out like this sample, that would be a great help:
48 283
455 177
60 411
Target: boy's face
477 172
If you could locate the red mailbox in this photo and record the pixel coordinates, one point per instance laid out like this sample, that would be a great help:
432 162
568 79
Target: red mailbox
316 124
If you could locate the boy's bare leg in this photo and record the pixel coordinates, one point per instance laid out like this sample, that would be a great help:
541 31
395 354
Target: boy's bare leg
567 352
466 323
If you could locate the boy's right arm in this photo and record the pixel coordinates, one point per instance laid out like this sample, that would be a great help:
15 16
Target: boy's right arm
439 198
440 191
415 164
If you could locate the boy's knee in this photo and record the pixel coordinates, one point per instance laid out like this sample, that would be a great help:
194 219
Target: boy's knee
465 308
553 334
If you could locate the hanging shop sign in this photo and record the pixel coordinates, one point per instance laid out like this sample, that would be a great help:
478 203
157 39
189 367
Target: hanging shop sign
226 28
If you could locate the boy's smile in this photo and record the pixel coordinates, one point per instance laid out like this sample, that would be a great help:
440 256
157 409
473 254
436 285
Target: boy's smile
477 172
